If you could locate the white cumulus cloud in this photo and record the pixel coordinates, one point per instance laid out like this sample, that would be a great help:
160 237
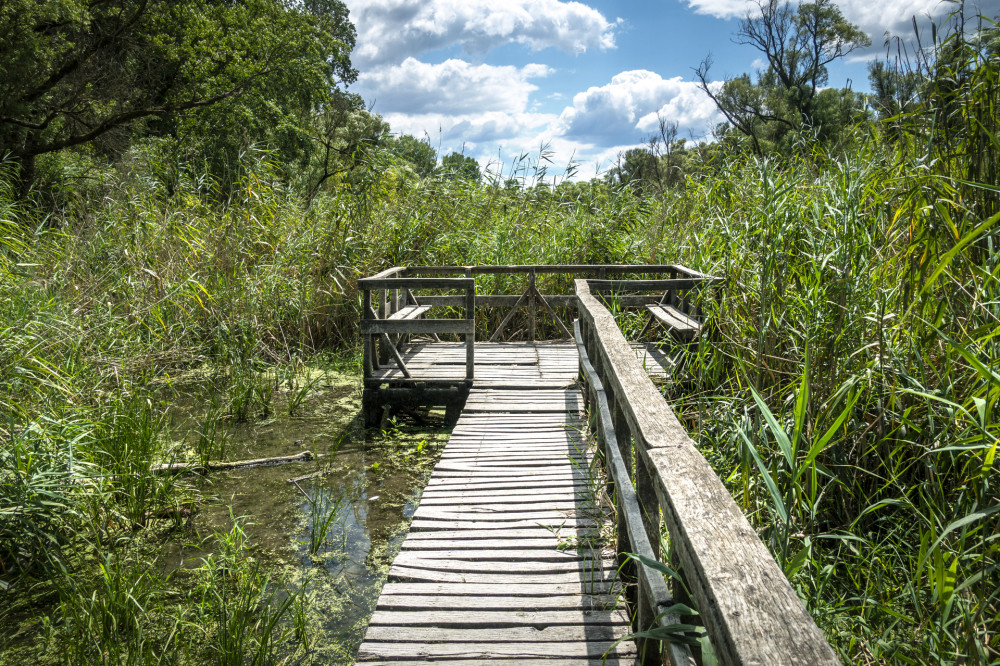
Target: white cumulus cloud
391 30
875 18
454 87
625 110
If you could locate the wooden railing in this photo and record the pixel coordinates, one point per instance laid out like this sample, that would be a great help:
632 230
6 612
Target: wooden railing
749 610
401 316
385 301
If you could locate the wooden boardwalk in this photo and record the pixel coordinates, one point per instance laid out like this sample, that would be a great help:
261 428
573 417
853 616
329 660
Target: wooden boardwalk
502 561
507 364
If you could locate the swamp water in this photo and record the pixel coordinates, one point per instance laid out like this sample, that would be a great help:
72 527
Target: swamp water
327 539
337 532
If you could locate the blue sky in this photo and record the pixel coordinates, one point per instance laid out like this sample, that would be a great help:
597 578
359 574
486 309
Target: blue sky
498 78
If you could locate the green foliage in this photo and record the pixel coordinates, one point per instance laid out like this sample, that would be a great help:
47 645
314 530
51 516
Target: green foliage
798 45
460 167
85 73
416 152
847 394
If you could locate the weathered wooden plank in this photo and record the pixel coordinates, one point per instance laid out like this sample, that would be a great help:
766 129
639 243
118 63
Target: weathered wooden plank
514 468
486 618
493 456
468 589
489 461
481 542
573 497
561 634
502 510
409 312
500 513
627 660
455 481
389 272
413 284
508 444
590 581
564 491
748 607
419 524
453 478
576 567
530 531
680 324
462 603
510 553
396 650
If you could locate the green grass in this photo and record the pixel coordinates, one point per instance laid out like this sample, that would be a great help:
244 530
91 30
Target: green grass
847 393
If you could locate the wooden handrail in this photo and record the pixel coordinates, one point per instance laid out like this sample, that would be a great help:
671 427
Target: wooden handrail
748 608
587 269
397 292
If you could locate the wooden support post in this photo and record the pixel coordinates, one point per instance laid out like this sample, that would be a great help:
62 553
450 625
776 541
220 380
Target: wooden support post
533 306
470 338
392 308
646 493
366 347
382 312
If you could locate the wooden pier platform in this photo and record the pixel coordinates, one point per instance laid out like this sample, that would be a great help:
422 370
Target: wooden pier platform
502 561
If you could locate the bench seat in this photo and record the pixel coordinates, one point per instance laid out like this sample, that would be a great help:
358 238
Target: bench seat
409 312
681 325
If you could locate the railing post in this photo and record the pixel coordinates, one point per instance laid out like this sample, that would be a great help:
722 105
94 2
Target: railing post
649 508
366 340
532 305
470 338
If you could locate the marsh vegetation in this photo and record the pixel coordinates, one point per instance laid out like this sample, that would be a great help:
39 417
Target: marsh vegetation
158 306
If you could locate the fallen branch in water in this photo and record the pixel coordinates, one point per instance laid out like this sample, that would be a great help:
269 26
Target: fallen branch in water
197 467
308 476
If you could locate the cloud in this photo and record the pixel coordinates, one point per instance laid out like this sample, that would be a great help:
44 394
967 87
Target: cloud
488 112
625 110
475 131
391 30
454 87
875 18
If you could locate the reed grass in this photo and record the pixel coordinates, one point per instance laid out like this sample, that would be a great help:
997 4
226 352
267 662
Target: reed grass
847 393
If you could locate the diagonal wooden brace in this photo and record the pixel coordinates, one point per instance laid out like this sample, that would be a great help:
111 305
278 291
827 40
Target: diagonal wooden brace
552 313
510 315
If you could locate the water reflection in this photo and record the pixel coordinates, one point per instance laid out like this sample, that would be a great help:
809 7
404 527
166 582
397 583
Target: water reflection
336 529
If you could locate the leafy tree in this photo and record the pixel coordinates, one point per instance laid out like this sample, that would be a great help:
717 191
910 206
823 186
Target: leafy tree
798 45
344 136
75 72
894 90
460 167
638 167
417 152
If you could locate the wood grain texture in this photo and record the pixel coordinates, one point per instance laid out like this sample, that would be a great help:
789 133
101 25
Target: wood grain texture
749 609
496 565
492 651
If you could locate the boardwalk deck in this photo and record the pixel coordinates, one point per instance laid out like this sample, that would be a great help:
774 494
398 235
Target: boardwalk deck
500 365
498 564
501 562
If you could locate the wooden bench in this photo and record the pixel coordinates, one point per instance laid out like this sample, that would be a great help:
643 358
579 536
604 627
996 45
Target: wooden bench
409 312
681 325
